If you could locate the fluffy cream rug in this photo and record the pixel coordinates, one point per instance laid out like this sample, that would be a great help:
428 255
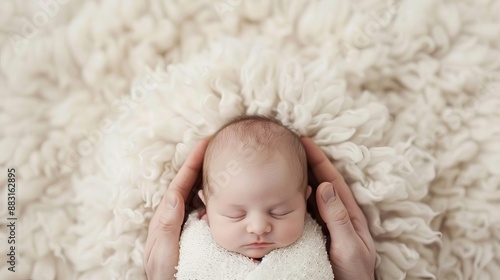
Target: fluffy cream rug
103 100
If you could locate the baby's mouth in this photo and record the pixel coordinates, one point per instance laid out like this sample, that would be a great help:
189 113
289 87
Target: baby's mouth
259 244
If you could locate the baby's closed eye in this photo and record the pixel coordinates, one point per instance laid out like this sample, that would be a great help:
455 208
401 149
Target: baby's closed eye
281 214
235 217
274 214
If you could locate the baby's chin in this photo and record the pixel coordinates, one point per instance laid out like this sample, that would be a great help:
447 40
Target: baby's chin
256 253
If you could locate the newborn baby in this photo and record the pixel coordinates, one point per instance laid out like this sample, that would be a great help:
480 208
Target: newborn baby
255 192
255 186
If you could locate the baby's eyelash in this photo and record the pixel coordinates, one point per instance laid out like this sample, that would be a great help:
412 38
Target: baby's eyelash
235 218
272 214
281 215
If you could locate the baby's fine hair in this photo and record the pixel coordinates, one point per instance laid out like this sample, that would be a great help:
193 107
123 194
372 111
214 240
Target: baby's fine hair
256 136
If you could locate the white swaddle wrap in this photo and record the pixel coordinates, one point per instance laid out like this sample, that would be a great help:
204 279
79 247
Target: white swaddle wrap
201 258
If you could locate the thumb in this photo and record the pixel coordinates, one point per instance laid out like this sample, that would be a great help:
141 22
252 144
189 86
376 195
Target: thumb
173 213
335 215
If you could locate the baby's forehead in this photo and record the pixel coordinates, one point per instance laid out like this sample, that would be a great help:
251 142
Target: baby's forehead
252 139
251 134
251 154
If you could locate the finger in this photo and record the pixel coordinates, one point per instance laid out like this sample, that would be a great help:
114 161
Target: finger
183 181
169 230
161 253
343 228
171 220
324 171
336 216
186 177
171 199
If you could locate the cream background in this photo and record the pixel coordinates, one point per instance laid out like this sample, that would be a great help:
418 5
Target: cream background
403 97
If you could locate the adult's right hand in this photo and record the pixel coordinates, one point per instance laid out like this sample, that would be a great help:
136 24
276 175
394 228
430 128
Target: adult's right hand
352 250
161 253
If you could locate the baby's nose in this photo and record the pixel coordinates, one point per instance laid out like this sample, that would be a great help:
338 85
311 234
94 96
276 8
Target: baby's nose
258 226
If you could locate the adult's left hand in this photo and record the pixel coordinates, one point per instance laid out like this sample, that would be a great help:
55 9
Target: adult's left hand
352 250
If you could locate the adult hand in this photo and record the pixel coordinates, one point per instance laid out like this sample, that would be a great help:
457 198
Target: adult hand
161 253
352 251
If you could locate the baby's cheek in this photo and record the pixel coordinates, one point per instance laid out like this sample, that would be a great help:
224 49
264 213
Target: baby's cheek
224 234
291 231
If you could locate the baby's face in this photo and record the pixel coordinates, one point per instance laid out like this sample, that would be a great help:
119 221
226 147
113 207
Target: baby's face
261 206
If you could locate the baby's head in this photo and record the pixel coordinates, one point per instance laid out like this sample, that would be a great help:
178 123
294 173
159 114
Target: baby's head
255 186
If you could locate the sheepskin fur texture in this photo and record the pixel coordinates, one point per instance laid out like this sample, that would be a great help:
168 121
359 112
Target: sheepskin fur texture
102 101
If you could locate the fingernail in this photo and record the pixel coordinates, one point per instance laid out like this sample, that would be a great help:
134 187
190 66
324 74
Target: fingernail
328 193
171 200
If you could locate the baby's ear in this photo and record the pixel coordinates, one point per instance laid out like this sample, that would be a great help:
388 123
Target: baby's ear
308 192
202 197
